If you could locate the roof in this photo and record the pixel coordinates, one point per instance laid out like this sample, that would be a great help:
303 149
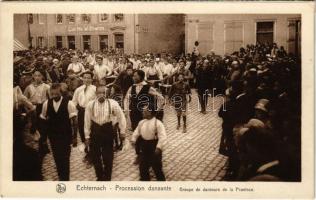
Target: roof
18 46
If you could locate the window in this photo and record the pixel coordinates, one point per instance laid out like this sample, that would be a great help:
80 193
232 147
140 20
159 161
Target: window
118 17
59 42
294 37
41 18
71 18
59 18
119 41
205 37
265 32
103 42
85 18
234 38
103 17
40 42
30 18
86 42
31 42
71 42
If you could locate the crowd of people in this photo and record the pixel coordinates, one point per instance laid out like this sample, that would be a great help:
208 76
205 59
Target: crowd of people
62 92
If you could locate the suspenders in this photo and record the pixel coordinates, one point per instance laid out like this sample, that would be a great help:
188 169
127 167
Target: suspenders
156 129
109 106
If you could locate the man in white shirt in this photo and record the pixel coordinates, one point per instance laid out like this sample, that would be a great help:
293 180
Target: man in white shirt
158 65
37 93
100 69
110 63
100 116
61 124
76 66
137 62
81 98
121 66
90 59
150 135
132 60
20 100
167 68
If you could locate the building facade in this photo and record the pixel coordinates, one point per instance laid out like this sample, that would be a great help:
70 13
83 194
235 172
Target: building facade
160 33
20 26
132 33
83 31
226 33
156 33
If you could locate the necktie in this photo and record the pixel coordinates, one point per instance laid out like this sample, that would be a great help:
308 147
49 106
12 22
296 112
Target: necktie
85 89
84 95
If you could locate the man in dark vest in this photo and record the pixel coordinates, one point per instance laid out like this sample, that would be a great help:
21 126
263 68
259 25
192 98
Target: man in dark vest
139 95
61 125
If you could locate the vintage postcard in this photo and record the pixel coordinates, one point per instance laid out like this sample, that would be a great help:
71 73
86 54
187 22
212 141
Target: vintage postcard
157 99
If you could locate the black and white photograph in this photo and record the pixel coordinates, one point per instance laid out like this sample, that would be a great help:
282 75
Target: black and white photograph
157 97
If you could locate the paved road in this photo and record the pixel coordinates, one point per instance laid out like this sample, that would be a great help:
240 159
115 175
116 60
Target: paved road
188 156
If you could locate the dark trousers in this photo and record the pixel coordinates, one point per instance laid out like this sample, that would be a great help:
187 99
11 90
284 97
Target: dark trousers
136 117
61 151
39 124
160 114
101 150
148 159
81 112
203 97
116 136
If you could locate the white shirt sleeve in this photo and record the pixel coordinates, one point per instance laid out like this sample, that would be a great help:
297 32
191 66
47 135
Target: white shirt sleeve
72 110
69 67
136 133
82 69
87 121
118 112
160 98
127 99
27 92
162 136
75 97
23 99
43 115
108 70
160 73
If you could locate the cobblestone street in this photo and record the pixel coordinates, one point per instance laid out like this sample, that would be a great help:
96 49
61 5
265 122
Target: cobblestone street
187 156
